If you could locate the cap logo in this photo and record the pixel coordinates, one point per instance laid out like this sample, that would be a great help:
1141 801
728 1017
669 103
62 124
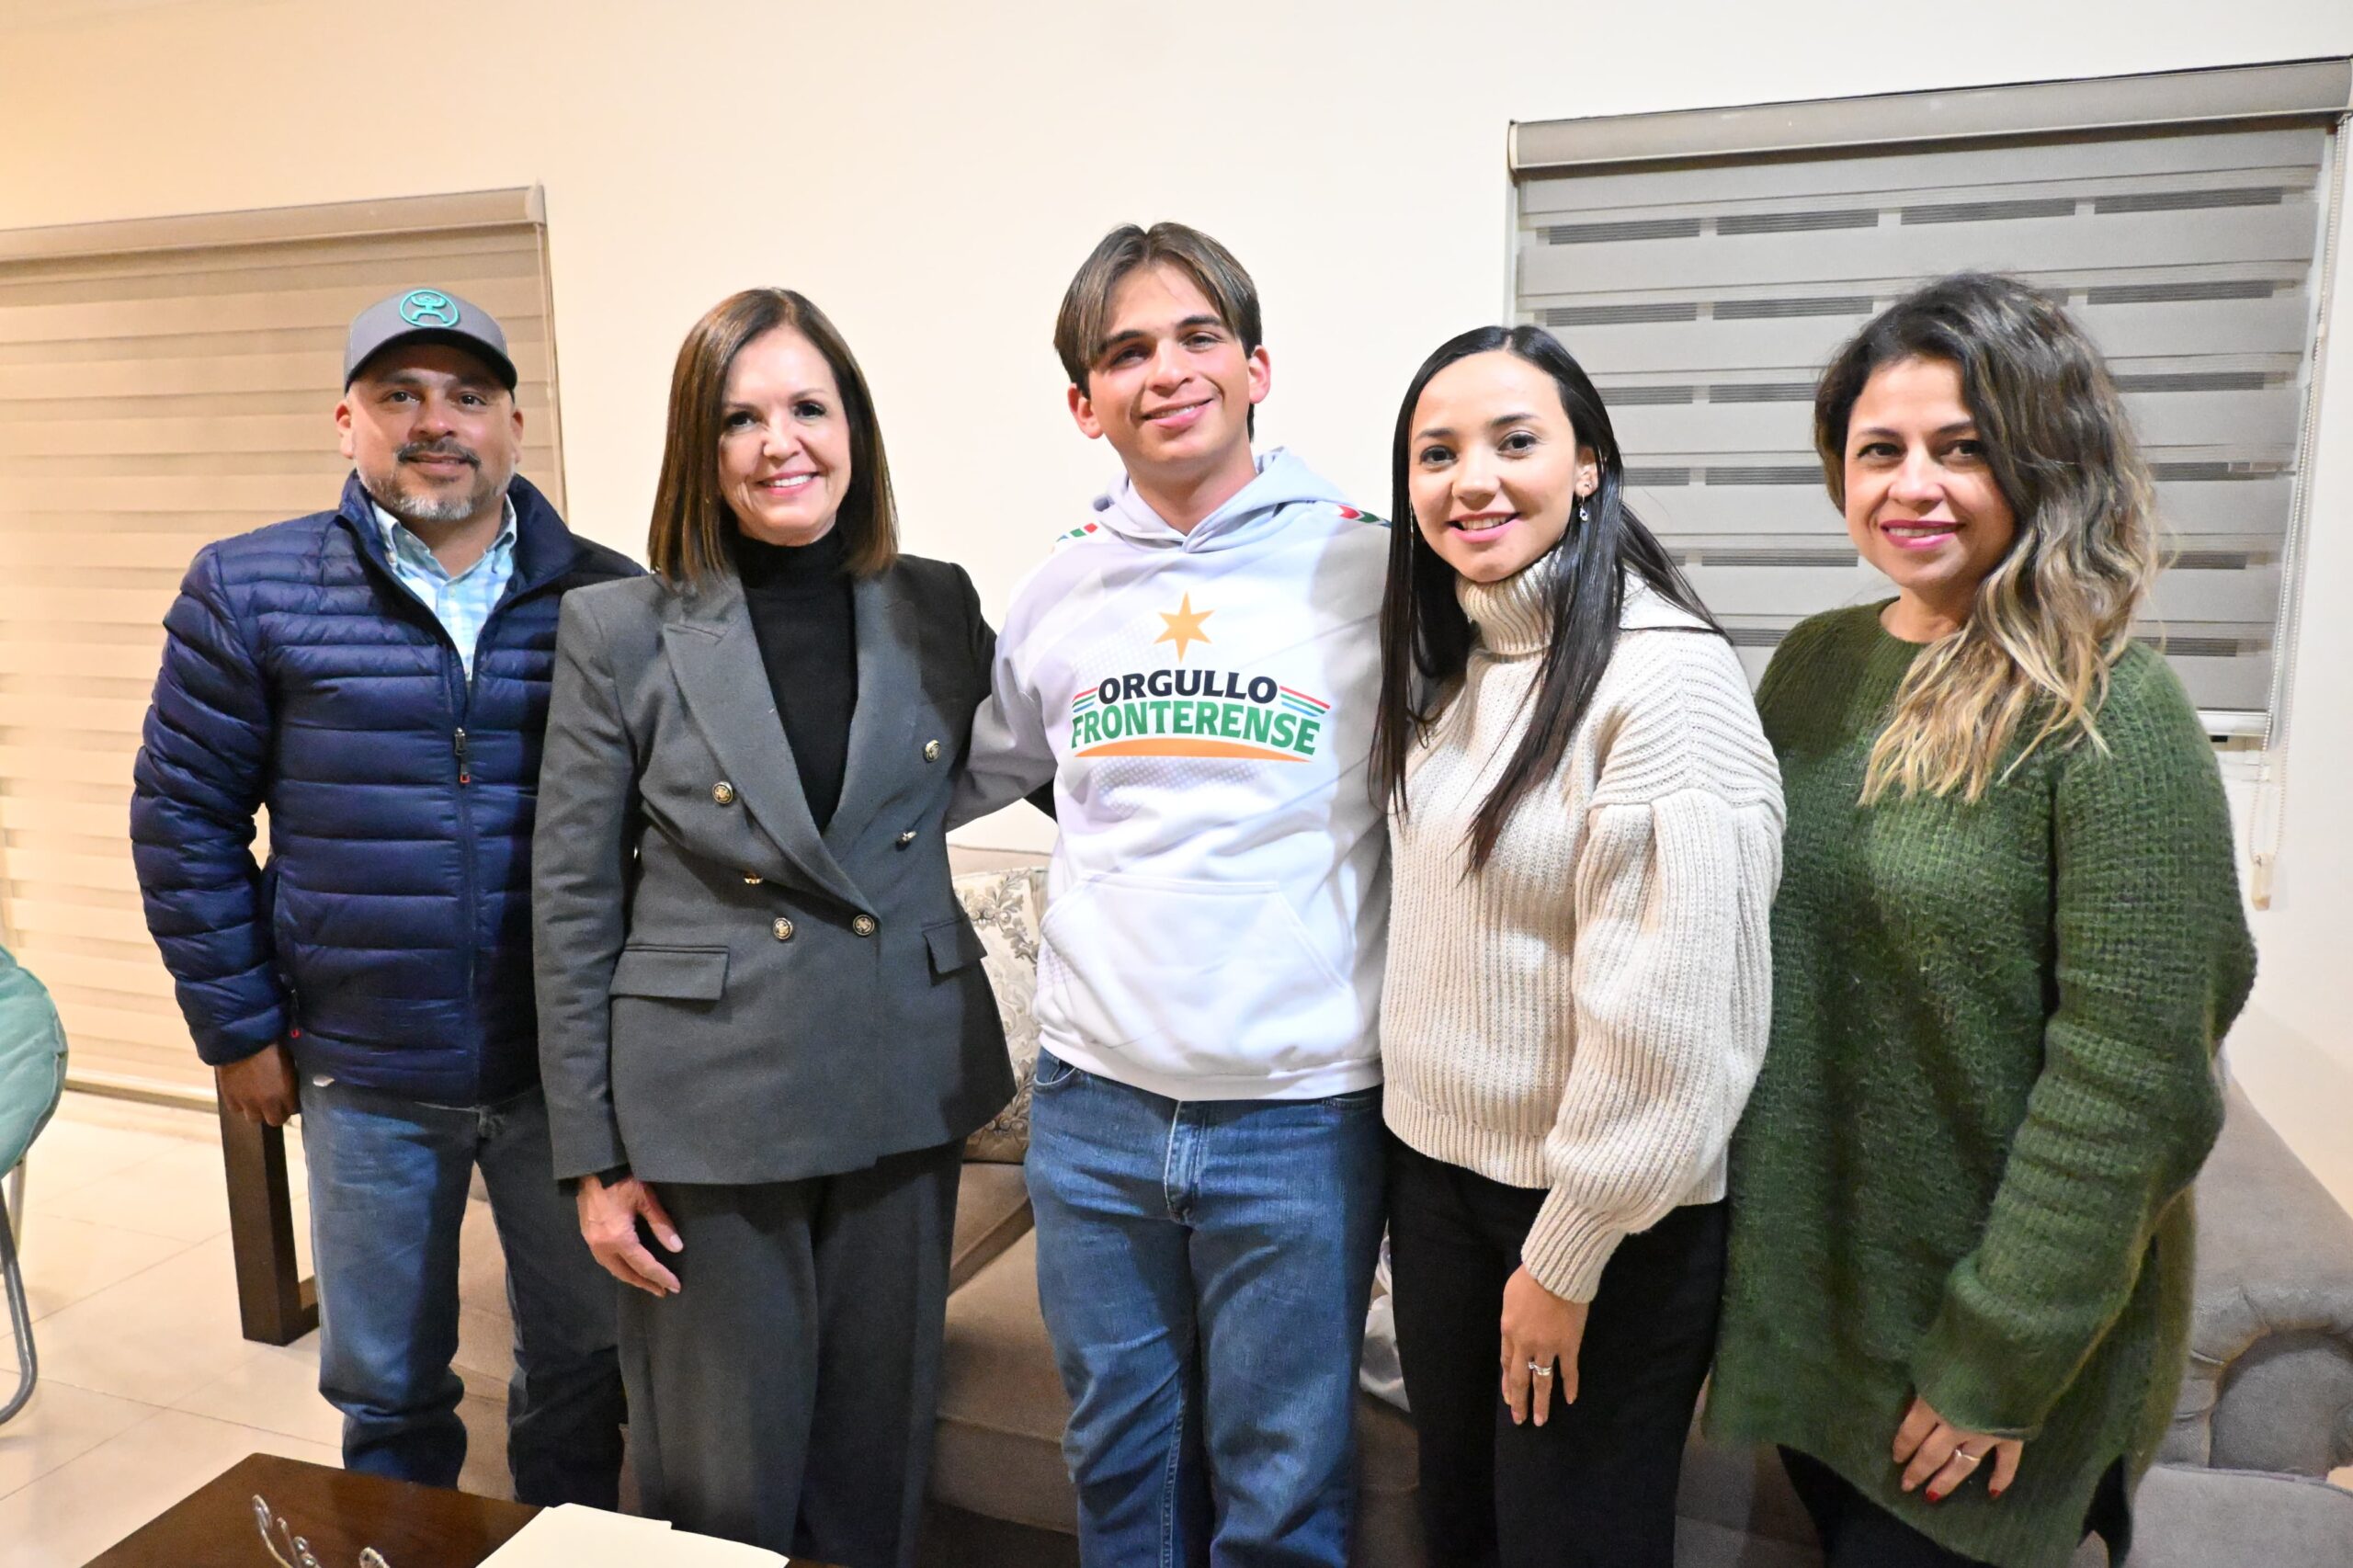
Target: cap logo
428 307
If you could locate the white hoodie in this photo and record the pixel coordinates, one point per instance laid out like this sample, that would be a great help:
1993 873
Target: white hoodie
1203 703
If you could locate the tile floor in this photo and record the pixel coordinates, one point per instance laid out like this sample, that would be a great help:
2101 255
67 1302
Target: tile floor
147 1390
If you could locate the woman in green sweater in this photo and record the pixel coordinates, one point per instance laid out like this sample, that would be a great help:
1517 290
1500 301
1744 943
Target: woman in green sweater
2007 939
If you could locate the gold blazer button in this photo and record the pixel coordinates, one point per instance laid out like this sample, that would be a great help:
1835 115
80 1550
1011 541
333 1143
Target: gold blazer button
906 838
722 793
931 751
783 929
751 879
864 925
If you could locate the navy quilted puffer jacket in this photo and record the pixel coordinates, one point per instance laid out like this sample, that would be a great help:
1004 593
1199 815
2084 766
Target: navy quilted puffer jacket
388 940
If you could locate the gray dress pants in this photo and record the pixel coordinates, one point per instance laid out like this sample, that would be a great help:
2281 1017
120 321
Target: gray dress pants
785 1396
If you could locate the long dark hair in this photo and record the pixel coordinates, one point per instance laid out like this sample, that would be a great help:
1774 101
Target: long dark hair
1426 638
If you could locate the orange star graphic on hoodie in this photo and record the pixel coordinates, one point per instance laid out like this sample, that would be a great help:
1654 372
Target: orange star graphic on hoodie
1184 626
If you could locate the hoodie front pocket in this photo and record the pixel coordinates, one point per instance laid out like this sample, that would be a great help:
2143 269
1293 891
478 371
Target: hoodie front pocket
1193 979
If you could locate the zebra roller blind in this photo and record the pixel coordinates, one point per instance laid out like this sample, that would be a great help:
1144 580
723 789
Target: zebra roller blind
1706 298
164 383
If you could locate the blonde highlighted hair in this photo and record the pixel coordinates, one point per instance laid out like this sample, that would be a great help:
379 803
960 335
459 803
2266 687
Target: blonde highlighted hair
2030 666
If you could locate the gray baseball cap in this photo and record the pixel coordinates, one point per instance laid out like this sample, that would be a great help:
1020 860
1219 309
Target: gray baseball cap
426 316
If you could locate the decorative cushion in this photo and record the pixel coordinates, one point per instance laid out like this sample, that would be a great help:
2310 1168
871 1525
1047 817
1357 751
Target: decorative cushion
1007 907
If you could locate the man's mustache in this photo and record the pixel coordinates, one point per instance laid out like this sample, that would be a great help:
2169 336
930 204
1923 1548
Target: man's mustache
416 449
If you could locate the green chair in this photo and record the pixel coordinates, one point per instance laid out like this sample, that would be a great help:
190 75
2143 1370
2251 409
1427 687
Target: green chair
32 1076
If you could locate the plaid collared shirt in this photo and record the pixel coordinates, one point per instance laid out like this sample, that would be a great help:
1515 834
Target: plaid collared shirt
460 603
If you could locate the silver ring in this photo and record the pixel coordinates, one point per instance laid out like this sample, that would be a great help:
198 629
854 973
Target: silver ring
1965 1454
1539 1371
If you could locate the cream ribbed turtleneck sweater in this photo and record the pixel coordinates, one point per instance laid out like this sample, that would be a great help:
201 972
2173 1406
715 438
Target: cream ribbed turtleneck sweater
1587 1013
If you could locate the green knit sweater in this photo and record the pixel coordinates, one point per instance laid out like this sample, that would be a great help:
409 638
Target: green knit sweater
1965 1169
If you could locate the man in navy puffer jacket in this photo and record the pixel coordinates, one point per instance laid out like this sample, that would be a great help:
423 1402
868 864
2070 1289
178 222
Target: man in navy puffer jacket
377 678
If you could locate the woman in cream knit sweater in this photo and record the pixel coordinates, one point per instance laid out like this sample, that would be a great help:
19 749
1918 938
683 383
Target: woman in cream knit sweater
1584 841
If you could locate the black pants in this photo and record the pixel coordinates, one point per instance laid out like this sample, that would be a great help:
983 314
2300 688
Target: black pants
1858 1533
1594 1487
785 1396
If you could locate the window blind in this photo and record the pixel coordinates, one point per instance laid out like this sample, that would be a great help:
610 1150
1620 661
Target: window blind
1705 298
164 383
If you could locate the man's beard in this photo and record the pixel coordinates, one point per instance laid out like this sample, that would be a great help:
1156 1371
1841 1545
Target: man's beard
429 507
435 508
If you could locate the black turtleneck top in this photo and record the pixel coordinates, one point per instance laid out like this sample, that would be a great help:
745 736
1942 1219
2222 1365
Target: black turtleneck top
800 601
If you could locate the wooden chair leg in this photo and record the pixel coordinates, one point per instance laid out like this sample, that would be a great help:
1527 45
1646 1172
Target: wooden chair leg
276 1304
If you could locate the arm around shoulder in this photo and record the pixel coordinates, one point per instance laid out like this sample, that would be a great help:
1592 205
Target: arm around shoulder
1010 756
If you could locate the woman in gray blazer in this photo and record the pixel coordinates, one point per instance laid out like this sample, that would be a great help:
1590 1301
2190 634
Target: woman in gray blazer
764 1026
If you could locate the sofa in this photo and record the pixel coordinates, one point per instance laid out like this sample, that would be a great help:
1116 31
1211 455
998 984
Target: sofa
2266 1413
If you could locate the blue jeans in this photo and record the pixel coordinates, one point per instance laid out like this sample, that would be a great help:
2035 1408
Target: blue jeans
1204 1265
389 1179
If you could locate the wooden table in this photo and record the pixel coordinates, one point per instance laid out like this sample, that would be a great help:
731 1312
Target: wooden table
337 1512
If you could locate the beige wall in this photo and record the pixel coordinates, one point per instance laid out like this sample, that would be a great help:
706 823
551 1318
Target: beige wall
931 173
2294 1048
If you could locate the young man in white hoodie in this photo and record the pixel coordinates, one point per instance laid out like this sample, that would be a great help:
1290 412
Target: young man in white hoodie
1195 669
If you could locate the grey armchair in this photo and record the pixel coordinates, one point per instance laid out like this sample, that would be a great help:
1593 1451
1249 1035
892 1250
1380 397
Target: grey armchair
2270 1383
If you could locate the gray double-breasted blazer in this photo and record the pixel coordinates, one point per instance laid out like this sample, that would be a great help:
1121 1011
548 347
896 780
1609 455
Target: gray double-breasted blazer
726 993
